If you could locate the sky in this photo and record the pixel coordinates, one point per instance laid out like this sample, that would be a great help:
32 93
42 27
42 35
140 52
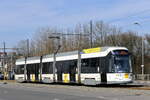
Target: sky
20 19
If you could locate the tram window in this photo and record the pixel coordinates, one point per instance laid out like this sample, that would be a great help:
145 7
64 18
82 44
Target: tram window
59 66
89 65
47 68
36 68
104 64
20 69
66 66
30 69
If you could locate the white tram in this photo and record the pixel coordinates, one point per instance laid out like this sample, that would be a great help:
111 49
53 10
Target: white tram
102 65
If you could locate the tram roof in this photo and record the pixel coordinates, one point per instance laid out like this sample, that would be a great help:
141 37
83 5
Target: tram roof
50 55
62 54
102 49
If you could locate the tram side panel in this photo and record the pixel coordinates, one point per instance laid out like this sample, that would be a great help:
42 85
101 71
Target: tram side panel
66 71
98 70
47 72
33 74
19 73
104 68
90 71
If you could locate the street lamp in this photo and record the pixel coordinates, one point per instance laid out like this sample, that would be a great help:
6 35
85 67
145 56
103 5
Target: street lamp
142 65
79 49
55 53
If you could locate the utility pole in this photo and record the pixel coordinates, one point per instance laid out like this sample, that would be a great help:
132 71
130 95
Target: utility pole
11 69
142 56
142 65
91 34
4 61
26 56
4 48
41 68
55 53
28 48
79 50
4 53
4 58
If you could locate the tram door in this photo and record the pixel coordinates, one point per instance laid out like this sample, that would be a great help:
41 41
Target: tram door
36 72
59 72
28 72
103 77
72 73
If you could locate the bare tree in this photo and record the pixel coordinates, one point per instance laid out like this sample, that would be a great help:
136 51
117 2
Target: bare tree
103 35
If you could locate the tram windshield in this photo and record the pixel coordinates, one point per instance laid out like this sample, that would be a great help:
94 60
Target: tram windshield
121 63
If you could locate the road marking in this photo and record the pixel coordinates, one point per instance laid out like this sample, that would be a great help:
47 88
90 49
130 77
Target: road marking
106 98
102 97
56 99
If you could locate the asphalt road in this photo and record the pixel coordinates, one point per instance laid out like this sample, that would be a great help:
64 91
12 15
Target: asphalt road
10 92
15 91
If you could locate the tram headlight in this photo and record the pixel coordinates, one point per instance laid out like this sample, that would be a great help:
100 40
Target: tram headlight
126 75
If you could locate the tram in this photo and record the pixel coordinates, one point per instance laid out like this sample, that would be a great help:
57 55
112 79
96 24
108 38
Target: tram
94 66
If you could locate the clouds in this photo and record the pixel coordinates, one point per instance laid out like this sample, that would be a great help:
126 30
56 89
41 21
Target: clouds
45 12
130 9
25 16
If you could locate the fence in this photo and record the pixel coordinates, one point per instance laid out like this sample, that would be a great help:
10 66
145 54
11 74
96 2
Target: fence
145 77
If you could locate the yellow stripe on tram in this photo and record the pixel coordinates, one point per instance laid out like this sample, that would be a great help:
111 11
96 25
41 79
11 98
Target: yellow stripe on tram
92 50
66 78
33 77
126 75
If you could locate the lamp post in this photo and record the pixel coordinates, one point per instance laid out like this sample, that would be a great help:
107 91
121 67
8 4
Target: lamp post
55 53
79 50
5 58
142 65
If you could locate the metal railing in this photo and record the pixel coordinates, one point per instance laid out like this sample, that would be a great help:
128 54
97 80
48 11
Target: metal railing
145 77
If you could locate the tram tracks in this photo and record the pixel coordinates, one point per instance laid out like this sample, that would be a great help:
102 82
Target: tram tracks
134 87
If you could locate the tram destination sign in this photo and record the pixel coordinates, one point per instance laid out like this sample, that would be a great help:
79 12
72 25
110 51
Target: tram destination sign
92 50
120 52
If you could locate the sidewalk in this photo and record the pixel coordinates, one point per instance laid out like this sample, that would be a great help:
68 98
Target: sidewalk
141 82
135 82
7 81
